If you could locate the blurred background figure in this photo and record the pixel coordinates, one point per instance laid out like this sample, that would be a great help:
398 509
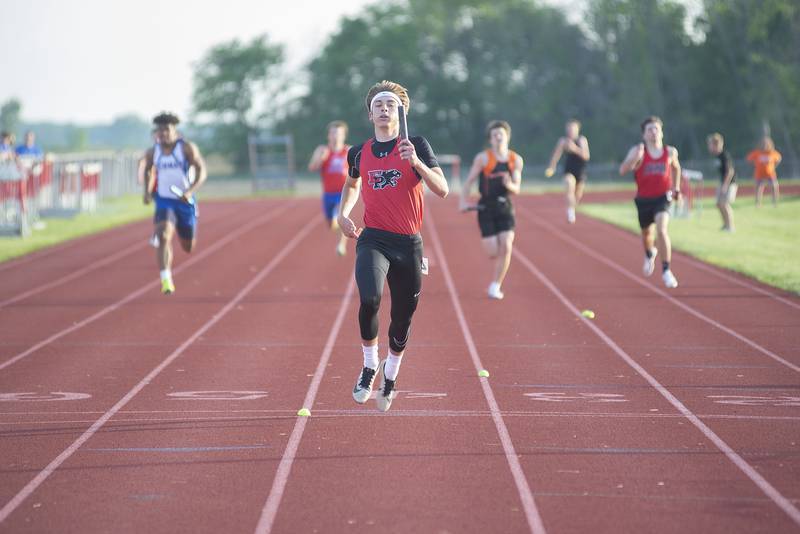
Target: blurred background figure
29 150
726 190
6 146
765 159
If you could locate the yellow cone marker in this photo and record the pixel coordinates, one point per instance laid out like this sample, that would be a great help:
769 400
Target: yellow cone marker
589 314
483 373
304 412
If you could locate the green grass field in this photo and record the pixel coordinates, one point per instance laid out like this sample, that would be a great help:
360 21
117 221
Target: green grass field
111 213
764 246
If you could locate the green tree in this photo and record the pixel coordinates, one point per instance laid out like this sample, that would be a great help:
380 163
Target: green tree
9 115
750 76
465 63
237 89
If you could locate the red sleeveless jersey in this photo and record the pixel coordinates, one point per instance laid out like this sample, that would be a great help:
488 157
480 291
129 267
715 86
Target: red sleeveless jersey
654 175
392 192
334 170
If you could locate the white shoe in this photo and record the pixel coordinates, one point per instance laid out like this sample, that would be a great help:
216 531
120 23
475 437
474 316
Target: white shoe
154 241
341 249
570 215
494 291
650 263
669 279
387 391
363 387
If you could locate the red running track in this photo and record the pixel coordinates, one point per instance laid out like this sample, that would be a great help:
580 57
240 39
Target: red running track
131 412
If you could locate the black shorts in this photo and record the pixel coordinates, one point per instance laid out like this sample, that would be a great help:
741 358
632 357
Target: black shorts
648 208
578 170
495 217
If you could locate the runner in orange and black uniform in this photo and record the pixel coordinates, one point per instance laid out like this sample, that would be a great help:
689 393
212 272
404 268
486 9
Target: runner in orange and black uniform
331 162
389 172
654 165
499 172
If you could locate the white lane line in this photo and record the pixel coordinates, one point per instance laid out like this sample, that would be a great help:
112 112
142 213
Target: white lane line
31 486
75 274
121 422
714 270
639 280
526 497
762 483
147 287
270 509
139 245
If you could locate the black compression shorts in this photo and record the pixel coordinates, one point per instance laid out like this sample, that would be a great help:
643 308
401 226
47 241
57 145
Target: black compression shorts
648 208
495 217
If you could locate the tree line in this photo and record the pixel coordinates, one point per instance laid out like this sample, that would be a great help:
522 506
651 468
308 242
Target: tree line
734 68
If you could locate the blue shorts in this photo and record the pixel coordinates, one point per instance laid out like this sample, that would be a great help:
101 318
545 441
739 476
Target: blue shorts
182 215
330 204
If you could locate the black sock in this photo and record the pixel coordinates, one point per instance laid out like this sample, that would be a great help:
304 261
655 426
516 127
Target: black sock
664 266
648 253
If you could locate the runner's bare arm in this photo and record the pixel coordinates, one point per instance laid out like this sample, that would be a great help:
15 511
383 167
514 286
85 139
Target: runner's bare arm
583 143
320 153
149 176
350 193
196 160
676 169
477 164
632 160
513 181
557 151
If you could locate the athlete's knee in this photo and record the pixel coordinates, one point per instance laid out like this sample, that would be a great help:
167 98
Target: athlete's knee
188 245
370 304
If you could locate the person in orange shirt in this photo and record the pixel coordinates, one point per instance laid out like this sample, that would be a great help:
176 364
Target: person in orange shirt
764 159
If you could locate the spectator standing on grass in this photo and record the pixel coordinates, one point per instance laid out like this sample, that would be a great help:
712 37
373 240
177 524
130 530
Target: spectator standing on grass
726 190
764 159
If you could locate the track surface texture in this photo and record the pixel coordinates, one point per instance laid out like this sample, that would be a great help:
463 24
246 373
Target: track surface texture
123 410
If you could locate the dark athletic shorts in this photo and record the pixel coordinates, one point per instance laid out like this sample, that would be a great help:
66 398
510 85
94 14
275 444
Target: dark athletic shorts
648 208
578 170
495 217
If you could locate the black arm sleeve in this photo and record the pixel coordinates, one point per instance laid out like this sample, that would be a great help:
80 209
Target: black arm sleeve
353 160
424 151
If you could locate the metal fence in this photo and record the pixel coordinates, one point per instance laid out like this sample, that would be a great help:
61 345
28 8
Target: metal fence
62 185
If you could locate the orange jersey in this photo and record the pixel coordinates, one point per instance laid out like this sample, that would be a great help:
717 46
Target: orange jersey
764 162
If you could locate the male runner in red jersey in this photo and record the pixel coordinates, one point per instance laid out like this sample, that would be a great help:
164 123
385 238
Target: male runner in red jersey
389 172
331 162
654 165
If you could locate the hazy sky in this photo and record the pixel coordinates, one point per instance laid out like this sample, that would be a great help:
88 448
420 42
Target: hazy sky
91 60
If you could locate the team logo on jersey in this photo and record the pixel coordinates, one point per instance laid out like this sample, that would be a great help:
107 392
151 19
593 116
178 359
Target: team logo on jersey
655 168
382 179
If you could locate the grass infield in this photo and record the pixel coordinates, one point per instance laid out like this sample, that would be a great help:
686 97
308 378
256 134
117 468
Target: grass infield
764 246
111 213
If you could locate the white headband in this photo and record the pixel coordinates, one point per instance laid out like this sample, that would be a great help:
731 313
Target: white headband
385 94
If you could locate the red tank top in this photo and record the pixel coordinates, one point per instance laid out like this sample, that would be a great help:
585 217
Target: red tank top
654 176
334 171
392 192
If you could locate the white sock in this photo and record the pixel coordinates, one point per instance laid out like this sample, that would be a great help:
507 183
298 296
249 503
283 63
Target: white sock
166 274
371 359
392 366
